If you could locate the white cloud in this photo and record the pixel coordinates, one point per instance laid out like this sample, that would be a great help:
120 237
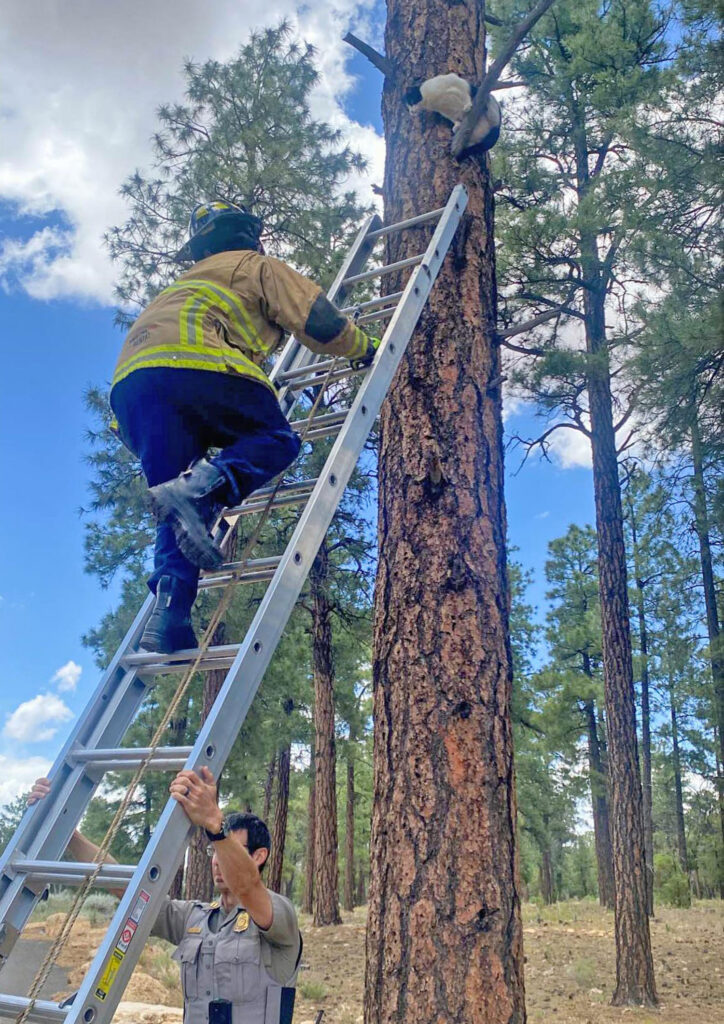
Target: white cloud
80 86
67 676
18 774
570 449
37 720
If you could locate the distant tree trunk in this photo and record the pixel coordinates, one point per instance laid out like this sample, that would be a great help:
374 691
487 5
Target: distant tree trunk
545 872
678 790
349 827
599 804
360 895
716 657
308 892
326 870
634 961
199 879
444 938
646 748
177 728
269 787
279 833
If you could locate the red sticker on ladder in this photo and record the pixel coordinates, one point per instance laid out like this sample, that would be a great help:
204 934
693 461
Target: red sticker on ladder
129 929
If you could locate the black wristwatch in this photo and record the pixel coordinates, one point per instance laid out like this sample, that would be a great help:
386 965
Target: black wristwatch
216 837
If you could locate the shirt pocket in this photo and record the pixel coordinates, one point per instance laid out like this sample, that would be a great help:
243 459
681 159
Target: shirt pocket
187 956
238 970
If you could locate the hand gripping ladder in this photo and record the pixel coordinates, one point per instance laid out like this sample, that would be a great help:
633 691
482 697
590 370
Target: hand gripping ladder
34 853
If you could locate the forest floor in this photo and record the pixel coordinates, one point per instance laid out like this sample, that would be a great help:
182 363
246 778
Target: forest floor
569 971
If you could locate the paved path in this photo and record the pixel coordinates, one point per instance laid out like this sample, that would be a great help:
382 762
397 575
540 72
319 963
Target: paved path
17 975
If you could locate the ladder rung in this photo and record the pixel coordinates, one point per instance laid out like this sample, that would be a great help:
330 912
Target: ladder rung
44 1012
330 419
254 570
381 300
285 494
387 229
73 872
114 759
389 268
333 378
156 663
370 318
303 371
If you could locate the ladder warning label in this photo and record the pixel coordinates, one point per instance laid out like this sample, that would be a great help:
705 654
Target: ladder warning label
129 930
126 935
109 975
141 904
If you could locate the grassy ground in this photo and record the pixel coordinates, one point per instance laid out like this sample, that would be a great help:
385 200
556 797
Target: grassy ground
569 971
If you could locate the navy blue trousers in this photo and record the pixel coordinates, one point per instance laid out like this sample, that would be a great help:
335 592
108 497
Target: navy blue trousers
169 418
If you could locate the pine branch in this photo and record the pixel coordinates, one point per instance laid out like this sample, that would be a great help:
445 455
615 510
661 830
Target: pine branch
528 325
462 135
381 63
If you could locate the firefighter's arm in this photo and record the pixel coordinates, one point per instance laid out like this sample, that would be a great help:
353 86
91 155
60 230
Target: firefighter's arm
301 307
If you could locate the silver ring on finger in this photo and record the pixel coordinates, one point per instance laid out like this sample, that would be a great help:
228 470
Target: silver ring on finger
186 792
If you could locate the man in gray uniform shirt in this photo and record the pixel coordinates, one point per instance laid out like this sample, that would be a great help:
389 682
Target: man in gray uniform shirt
238 955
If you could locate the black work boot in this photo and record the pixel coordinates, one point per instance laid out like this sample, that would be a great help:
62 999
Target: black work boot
169 628
189 503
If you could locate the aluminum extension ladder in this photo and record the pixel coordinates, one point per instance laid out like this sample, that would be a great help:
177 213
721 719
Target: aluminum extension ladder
34 853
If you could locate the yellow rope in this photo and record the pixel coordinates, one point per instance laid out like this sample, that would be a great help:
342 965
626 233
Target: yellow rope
235 577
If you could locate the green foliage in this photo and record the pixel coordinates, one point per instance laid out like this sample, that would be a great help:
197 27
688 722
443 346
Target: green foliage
672 885
10 816
244 134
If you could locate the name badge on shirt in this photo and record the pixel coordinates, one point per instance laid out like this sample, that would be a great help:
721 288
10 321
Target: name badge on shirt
194 931
242 922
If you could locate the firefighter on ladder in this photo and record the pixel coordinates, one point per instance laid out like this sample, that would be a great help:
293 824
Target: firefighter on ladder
190 377
239 955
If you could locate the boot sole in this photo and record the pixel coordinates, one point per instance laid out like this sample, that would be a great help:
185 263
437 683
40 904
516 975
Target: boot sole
195 544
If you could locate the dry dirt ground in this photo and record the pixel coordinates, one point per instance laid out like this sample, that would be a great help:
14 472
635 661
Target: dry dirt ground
569 968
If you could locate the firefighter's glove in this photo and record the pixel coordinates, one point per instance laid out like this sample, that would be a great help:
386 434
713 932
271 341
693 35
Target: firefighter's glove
361 362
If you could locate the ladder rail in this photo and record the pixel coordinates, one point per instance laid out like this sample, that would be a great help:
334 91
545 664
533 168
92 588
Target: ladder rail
71 786
166 848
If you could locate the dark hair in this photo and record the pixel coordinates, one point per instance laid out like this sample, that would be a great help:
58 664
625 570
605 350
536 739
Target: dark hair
258 837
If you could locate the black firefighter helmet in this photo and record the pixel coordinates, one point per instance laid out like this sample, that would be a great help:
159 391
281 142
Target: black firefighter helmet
218 227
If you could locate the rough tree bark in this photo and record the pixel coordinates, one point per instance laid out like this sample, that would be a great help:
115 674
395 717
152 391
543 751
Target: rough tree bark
269 787
716 657
281 810
308 892
348 902
444 940
325 902
599 804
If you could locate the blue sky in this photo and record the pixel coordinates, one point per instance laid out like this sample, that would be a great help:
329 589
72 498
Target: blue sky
58 191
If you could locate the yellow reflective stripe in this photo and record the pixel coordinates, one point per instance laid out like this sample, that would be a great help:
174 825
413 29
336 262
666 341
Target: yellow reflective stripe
173 356
228 302
361 342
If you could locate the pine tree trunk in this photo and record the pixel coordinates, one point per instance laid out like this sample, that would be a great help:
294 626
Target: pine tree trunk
646 749
678 790
599 805
199 879
326 870
545 872
634 960
348 902
281 809
269 787
308 893
360 894
716 657
444 939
